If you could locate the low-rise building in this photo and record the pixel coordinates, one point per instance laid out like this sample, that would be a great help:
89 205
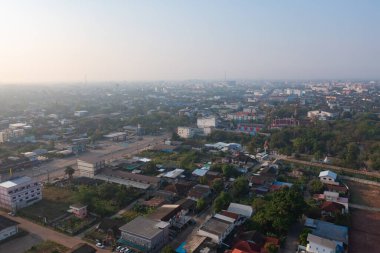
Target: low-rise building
19 192
216 229
80 113
320 115
243 210
206 122
144 234
8 227
317 244
328 177
199 191
78 210
186 132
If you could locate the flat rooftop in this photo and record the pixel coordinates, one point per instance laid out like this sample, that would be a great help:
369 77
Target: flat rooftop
215 226
15 181
144 227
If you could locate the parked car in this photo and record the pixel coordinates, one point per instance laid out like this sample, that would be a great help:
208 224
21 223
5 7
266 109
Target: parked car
99 245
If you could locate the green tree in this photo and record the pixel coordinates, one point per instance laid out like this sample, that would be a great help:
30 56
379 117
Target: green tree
150 168
352 154
258 204
240 187
228 170
69 171
221 201
167 249
316 186
303 236
175 137
201 204
217 185
282 209
270 247
203 180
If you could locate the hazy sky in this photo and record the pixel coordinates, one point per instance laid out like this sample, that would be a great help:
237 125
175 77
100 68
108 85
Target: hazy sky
64 41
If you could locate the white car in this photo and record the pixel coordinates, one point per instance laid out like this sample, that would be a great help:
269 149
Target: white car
118 248
99 245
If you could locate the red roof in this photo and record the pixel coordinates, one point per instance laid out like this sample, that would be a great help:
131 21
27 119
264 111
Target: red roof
329 206
229 214
247 247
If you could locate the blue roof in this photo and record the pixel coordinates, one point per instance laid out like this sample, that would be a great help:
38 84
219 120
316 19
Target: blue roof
328 230
279 183
199 172
181 248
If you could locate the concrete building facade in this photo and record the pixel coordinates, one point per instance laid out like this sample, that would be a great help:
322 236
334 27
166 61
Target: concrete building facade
19 192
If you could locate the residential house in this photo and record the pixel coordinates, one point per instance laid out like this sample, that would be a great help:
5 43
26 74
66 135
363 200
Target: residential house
240 209
216 229
329 231
319 244
199 191
328 177
78 210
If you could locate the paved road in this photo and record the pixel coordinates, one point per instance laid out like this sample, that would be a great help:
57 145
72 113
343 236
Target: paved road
46 233
367 208
331 167
56 168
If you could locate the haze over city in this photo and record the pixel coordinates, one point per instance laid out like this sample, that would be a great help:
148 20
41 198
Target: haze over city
73 41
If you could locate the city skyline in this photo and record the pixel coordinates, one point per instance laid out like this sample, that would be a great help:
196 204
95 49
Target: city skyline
71 41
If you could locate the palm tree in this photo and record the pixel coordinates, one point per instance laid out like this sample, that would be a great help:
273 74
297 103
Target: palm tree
69 171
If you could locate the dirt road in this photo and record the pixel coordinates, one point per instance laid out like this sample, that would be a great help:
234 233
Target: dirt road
47 233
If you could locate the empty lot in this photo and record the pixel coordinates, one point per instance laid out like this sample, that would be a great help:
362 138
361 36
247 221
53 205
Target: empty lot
364 232
364 194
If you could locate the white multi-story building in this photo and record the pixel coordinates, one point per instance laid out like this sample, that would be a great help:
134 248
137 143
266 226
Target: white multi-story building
8 134
19 192
186 132
320 115
80 113
89 166
206 122
4 136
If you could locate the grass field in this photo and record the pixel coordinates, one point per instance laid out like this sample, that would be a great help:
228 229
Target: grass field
47 247
55 203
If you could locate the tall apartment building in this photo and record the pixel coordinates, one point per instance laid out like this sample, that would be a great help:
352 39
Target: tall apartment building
19 192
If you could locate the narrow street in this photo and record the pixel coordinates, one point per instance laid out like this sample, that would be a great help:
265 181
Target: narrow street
291 243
